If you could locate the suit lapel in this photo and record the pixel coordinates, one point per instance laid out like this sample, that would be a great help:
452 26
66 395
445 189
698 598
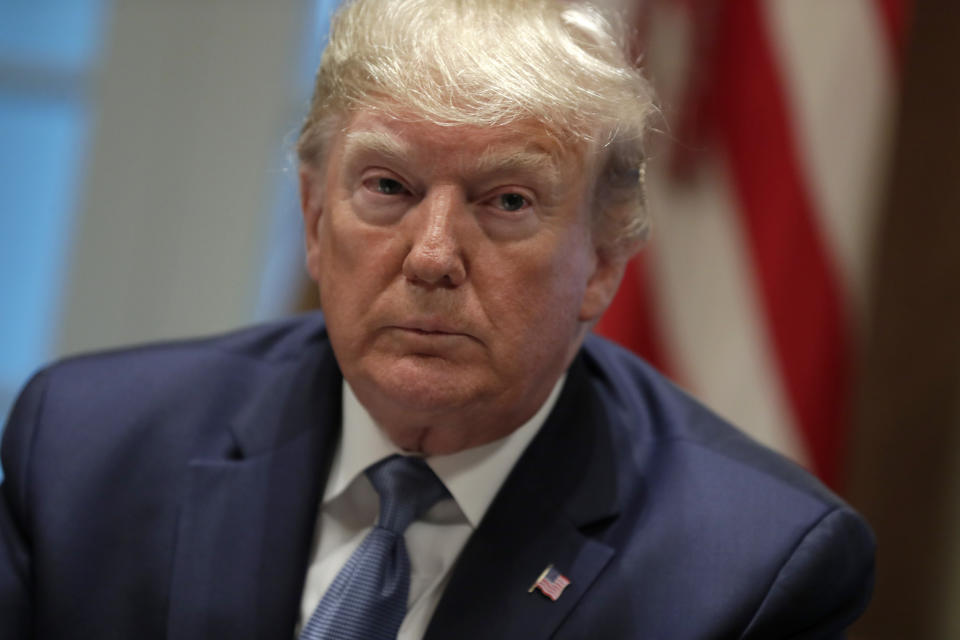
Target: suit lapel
563 485
247 519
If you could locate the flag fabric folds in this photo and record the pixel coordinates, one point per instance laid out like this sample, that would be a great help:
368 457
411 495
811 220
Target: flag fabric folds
551 583
764 188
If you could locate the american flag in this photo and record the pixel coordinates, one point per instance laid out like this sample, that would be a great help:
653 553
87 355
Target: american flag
551 583
764 192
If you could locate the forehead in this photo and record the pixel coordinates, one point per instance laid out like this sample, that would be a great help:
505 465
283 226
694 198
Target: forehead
521 146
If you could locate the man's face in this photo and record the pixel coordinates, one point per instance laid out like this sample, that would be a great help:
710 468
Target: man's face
456 270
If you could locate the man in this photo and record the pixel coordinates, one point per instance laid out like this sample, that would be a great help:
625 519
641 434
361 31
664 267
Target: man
471 181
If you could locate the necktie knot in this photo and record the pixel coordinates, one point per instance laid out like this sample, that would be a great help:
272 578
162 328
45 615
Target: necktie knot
368 598
407 488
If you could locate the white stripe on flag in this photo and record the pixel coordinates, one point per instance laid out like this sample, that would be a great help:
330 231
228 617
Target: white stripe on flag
835 63
712 322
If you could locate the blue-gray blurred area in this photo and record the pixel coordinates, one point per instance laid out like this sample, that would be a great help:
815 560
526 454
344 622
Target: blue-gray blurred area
147 188
48 53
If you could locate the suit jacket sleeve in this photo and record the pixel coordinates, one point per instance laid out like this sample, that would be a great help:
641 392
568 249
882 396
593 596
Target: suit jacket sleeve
823 586
16 601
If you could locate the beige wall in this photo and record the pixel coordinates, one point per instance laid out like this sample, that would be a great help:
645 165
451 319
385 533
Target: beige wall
191 105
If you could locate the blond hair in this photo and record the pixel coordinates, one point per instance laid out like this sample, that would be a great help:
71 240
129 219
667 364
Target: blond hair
491 63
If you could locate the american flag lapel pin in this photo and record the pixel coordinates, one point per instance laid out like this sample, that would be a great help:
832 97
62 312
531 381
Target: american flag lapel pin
551 583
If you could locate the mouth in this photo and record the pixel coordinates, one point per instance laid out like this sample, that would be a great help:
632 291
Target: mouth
431 327
434 330
424 332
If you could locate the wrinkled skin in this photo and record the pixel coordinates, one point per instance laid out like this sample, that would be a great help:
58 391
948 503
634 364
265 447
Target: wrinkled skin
457 272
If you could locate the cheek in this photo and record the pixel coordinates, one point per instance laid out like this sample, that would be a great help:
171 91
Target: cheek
353 254
352 275
564 274
538 300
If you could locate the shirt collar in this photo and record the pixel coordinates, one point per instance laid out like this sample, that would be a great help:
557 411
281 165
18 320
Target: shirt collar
472 476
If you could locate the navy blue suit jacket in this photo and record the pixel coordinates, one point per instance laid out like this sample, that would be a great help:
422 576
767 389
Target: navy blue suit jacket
171 492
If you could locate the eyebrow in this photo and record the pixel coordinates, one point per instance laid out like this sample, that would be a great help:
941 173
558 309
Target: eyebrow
378 142
532 160
493 160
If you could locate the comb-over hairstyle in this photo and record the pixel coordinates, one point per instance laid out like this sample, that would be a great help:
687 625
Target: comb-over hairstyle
490 63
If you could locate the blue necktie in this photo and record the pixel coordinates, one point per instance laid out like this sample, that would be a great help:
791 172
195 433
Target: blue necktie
368 598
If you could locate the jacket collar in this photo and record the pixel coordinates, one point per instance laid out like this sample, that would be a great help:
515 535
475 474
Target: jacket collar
563 487
246 524
247 521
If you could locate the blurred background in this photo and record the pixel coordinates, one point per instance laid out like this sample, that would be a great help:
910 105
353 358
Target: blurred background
802 277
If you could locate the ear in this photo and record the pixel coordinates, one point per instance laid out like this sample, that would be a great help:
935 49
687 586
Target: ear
603 284
311 204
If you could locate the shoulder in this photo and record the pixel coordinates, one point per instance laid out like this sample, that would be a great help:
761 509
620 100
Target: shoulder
660 415
273 342
163 397
737 535
180 368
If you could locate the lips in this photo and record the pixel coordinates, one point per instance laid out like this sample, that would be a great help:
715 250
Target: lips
432 327
430 333
428 327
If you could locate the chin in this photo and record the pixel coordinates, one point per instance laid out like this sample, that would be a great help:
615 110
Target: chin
430 383
437 407
427 386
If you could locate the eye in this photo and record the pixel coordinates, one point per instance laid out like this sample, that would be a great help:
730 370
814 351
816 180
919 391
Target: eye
511 201
386 186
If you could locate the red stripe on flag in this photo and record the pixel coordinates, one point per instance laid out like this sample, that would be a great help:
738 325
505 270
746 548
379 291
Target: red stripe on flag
796 277
894 16
630 320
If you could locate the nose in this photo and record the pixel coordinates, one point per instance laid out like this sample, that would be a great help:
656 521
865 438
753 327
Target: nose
436 256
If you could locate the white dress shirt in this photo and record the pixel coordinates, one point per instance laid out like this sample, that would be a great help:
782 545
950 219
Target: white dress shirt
350 506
